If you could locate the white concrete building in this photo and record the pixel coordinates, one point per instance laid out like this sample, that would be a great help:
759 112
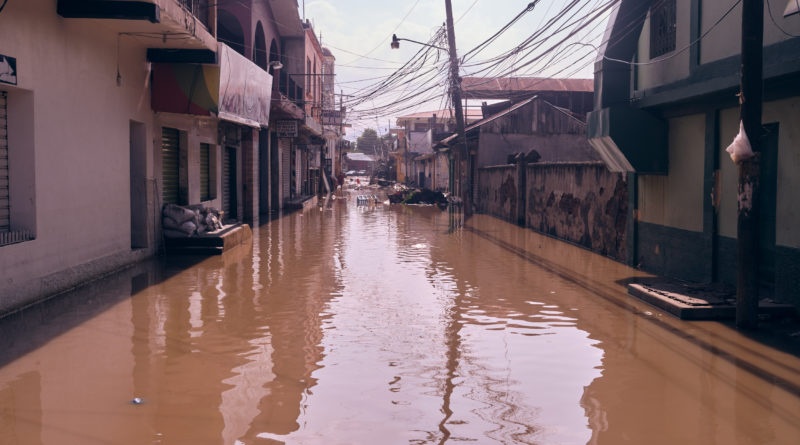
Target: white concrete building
81 186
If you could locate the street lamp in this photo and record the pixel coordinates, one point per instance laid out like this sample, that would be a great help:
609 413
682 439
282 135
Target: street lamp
276 65
455 92
396 43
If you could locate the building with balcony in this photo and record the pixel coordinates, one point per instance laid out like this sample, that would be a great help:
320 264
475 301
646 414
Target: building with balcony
111 109
81 154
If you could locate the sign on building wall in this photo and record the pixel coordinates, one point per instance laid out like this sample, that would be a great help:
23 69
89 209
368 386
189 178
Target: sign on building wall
8 70
332 117
286 128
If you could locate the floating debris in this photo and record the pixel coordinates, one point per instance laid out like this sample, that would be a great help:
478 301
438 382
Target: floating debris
367 199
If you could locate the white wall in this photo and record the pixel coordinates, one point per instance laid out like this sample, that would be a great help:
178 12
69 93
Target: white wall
725 39
676 200
81 125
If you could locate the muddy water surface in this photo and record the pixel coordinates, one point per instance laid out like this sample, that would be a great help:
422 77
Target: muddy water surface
381 325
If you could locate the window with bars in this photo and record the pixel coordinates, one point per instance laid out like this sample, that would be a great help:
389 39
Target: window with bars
17 222
170 166
662 28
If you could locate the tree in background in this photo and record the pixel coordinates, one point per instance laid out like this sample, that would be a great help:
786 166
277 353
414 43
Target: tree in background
368 142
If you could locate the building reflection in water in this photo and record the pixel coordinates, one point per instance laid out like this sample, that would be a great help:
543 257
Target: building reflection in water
368 325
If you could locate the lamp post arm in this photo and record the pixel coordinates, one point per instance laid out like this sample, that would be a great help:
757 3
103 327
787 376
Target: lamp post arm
396 43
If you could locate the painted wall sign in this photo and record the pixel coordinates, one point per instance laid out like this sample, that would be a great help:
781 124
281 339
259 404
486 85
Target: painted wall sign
286 128
8 70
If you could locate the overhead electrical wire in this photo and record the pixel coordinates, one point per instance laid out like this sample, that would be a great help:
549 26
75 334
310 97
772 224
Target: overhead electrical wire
559 47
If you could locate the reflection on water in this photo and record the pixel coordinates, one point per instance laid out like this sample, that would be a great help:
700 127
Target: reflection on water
380 324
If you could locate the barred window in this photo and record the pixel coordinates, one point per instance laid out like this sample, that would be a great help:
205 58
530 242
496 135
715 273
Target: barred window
662 27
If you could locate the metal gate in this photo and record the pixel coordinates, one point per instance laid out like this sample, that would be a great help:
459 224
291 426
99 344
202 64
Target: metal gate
5 197
170 156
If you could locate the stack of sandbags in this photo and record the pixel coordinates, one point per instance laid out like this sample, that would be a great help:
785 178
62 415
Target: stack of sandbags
179 222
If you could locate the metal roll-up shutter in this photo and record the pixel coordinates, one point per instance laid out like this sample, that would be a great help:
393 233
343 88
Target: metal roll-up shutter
170 156
205 172
226 181
5 199
286 175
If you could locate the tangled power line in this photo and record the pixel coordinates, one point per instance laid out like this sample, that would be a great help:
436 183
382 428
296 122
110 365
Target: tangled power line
564 44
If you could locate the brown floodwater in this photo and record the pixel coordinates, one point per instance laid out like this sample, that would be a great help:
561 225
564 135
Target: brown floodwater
384 325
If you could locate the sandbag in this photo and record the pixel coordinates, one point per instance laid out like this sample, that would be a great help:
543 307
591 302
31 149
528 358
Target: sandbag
189 227
170 223
178 213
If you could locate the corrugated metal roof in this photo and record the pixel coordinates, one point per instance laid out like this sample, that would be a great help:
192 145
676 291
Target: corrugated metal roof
474 113
360 157
499 114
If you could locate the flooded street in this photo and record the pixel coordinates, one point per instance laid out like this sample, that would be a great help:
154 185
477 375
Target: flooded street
381 325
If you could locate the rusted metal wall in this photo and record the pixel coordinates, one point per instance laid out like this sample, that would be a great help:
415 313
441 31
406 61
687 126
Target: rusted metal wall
579 202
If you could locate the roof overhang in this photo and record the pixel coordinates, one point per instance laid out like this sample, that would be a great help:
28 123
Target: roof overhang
629 139
287 18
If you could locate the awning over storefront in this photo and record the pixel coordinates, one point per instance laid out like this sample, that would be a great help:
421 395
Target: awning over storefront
236 90
187 88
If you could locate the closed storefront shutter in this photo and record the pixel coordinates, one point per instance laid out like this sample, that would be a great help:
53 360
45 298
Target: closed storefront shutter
205 172
229 198
286 173
5 207
170 155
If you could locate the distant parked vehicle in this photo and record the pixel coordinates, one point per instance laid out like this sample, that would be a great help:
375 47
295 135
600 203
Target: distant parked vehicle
350 173
361 172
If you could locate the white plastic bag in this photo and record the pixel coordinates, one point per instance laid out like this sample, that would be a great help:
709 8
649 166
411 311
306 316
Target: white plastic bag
740 148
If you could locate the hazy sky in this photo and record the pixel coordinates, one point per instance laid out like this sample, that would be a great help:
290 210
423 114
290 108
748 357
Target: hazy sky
355 28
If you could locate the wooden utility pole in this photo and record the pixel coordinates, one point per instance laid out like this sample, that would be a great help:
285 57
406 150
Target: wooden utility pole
747 281
455 92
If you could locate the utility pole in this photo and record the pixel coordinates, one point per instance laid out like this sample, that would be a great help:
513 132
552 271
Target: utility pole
747 281
455 91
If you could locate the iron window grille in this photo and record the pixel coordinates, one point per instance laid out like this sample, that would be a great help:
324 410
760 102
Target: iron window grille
662 28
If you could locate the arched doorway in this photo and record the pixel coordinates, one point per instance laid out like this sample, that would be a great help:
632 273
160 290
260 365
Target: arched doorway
229 31
260 48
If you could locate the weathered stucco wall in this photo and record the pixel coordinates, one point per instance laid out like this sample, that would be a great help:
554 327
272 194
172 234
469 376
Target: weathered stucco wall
497 191
582 203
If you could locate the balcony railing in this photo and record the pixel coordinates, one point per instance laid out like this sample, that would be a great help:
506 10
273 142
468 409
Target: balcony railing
199 9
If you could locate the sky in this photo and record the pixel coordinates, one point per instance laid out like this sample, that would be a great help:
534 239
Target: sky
358 33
